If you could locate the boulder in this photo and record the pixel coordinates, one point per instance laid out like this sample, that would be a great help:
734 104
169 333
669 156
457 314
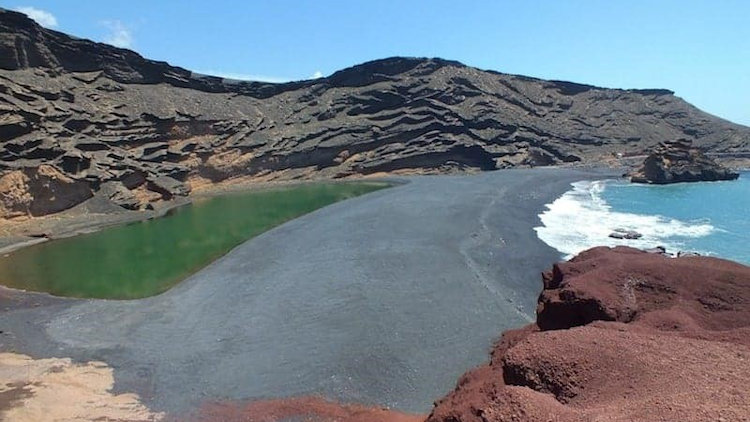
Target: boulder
625 234
660 250
681 254
120 195
167 187
677 161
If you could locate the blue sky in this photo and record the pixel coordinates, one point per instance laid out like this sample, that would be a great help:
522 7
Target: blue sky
700 49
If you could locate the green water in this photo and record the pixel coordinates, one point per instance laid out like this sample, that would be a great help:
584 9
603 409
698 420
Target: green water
149 257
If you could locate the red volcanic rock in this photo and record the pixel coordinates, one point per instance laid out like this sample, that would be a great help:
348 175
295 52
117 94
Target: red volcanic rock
621 335
612 373
698 296
307 409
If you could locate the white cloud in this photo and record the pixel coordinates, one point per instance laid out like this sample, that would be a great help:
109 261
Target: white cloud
243 76
119 34
317 75
42 17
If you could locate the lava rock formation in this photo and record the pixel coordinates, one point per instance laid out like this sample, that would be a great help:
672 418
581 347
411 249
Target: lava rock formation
621 335
677 161
137 132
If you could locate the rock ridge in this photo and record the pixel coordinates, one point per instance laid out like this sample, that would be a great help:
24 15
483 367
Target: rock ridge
138 133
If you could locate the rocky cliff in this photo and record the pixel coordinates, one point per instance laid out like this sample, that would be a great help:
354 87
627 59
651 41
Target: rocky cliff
109 123
621 335
677 161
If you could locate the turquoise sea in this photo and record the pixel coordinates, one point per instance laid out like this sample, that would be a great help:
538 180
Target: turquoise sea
711 218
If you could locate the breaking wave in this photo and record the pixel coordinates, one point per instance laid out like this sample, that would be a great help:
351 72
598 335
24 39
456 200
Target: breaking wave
581 219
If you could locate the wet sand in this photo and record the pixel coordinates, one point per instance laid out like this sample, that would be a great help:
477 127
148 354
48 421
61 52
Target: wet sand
382 300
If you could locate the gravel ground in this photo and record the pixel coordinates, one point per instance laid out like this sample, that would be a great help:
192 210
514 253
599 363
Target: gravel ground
383 299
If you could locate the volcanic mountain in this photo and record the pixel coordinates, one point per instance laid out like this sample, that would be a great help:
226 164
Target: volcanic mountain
80 119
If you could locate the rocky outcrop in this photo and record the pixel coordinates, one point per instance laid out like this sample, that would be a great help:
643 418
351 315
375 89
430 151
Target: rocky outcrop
39 191
620 233
677 161
621 335
106 116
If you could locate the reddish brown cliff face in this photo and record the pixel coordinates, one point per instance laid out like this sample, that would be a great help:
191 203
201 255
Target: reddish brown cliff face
622 335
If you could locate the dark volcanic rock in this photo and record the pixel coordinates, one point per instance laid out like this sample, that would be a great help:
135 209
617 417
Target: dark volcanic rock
621 335
625 234
36 191
119 195
98 113
24 44
677 161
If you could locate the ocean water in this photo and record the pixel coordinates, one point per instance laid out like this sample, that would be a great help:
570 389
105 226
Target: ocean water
710 218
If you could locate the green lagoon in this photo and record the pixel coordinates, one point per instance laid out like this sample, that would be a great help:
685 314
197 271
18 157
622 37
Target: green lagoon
146 258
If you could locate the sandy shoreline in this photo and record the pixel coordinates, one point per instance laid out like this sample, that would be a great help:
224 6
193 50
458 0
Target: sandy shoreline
93 216
59 389
382 299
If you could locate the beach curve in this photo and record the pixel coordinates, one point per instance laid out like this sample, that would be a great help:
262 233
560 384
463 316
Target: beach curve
369 301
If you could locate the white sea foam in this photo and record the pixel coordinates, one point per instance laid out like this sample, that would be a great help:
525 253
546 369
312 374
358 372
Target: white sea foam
581 219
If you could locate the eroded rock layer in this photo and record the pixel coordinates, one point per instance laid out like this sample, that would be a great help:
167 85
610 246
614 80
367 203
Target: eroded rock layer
621 335
677 161
137 131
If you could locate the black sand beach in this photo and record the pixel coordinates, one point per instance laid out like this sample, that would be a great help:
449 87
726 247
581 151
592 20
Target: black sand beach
383 299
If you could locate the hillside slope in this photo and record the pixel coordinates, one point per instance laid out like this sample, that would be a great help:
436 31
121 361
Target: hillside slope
79 118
